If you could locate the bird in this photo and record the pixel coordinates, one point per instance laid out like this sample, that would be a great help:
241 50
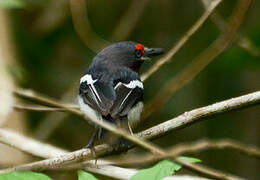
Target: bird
111 90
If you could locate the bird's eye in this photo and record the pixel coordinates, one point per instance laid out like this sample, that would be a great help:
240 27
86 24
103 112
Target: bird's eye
138 53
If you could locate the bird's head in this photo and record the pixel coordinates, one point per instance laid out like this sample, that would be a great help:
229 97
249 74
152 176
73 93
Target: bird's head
128 54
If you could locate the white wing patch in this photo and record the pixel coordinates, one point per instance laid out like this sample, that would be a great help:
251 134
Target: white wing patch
91 82
132 84
87 78
125 99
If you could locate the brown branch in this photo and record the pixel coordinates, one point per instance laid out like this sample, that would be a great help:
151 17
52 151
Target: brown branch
48 125
159 130
199 114
241 40
83 27
49 18
78 156
195 147
205 58
28 145
128 21
116 130
40 108
36 148
165 59
186 118
7 59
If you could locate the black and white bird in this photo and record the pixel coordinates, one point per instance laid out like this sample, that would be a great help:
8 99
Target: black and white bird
111 89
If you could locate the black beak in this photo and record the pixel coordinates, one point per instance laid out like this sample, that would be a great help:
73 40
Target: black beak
152 52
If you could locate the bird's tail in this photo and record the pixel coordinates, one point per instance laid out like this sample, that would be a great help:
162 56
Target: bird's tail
110 138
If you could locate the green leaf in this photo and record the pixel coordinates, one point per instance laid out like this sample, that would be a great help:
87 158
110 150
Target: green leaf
159 171
190 159
12 4
85 176
24 175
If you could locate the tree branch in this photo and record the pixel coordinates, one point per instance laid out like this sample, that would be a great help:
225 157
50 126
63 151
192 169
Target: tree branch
116 130
199 114
83 27
159 130
39 149
205 58
128 21
166 58
242 41
195 147
41 108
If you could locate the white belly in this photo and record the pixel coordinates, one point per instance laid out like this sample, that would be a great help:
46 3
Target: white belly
134 115
91 113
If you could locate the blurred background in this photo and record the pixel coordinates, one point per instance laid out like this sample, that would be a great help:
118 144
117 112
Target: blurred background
48 45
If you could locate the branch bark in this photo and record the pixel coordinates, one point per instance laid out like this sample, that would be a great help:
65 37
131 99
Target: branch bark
159 130
43 150
199 114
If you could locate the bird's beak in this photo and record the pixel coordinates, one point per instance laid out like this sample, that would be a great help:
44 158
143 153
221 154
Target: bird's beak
152 52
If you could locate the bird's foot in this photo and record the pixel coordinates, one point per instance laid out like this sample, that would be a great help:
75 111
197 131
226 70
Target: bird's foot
93 151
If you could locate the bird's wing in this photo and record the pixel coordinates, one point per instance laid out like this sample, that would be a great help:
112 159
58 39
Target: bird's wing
129 91
98 94
116 96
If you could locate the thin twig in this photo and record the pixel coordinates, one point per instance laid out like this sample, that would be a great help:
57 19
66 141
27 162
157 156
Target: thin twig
49 19
242 41
41 108
83 26
205 58
128 21
180 121
166 58
118 131
192 116
195 147
48 125
44 150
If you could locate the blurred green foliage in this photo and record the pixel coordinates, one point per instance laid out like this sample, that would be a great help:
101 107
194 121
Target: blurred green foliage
52 59
24 175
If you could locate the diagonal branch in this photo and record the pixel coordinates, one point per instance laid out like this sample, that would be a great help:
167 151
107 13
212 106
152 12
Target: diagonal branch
157 131
116 130
83 27
195 147
205 58
38 108
43 150
199 114
165 59
129 20
242 41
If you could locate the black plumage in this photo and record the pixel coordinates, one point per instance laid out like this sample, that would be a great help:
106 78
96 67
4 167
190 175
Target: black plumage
111 88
